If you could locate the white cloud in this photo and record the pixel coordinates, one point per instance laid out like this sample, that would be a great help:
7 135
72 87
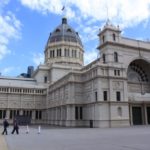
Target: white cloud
7 70
9 29
3 51
89 56
91 15
89 33
87 13
119 11
44 6
38 58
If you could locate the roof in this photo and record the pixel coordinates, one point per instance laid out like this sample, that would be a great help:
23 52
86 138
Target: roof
64 33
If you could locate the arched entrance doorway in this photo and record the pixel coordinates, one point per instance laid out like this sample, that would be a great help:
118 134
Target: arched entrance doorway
138 75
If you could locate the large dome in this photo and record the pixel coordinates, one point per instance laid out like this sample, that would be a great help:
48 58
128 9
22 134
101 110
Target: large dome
64 33
64 46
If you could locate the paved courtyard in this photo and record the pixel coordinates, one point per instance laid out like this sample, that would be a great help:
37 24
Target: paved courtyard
131 138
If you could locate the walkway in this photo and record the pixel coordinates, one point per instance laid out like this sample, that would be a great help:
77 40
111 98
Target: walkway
3 145
131 138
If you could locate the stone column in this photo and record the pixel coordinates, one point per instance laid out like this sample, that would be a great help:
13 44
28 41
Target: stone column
21 112
8 114
33 115
145 114
62 52
70 115
130 115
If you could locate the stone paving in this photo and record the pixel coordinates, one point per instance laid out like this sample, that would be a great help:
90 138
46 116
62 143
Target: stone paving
3 144
131 138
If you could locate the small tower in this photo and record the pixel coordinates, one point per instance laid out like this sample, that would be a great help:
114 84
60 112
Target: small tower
110 34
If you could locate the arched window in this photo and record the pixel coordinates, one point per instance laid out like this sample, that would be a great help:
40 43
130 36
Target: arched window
115 56
69 30
57 30
103 38
114 37
104 58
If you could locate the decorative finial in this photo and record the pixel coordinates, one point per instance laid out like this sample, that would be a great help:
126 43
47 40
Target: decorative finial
107 10
108 21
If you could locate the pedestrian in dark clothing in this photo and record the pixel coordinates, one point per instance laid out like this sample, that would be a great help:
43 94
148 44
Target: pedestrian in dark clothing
5 125
15 127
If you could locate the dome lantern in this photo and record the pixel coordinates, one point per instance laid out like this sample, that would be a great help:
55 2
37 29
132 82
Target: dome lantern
64 20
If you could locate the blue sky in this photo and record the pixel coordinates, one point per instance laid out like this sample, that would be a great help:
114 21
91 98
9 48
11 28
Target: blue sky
25 26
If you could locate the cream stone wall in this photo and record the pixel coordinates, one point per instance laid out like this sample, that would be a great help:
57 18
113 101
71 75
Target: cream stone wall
73 95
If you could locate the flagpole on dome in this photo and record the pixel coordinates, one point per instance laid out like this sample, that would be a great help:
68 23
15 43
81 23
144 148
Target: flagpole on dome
63 11
64 18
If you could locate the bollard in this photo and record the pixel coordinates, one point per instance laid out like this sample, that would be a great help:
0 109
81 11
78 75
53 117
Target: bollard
91 123
39 129
27 131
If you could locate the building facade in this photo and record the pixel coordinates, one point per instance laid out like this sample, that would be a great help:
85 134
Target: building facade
112 91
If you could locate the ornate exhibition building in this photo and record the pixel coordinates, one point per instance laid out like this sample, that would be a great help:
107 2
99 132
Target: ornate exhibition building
111 91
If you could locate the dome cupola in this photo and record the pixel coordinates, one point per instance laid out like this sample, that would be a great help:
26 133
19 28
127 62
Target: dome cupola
64 45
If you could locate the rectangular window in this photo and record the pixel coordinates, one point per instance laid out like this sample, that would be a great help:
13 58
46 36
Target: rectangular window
11 114
27 113
0 114
105 95
4 113
36 114
24 112
104 58
81 113
76 113
18 112
118 72
118 96
115 72
66 52
59 52
45 79
40 114
53 53
72 53
96 96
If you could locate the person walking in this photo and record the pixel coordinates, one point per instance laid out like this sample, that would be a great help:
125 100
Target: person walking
5 125
15 127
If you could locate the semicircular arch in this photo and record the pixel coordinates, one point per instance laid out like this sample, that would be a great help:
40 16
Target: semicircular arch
138 71
137 58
